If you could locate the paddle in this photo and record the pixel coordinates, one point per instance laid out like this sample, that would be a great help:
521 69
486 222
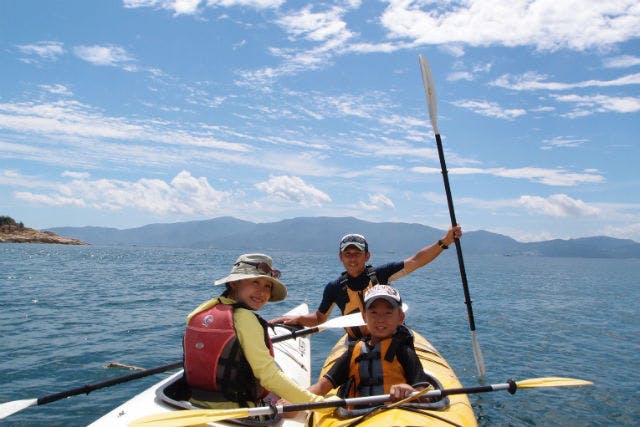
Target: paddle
348 321
202 416
429 88
12 407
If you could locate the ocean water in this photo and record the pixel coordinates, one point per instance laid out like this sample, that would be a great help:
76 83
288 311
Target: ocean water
67 311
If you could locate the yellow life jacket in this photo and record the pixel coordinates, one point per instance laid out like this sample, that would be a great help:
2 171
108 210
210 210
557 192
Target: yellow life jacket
374 370
355 302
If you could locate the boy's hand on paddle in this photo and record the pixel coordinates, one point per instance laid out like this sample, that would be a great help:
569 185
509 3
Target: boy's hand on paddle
400 391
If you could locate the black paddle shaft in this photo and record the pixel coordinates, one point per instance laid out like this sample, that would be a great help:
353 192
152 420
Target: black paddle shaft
452 214
87 388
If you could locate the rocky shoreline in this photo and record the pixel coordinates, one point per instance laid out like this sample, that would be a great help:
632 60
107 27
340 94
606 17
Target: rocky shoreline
17 234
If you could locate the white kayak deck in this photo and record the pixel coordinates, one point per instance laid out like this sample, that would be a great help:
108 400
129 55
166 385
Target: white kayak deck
292 355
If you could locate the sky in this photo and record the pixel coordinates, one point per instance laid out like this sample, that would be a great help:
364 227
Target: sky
126 113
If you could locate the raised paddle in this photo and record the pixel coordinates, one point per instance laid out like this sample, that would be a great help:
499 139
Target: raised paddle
430 90
202 416
14 406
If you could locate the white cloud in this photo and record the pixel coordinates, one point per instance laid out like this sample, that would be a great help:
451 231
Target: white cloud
552 177
562 142
256 4
73 119
49 200
377 202
76 175
294 190
13 178
627 231
535 81
190 7
558 205
325 30
460 75
490 109
316 26
622 61
44 50
600 104
57 89
463 72
547 25
108 55
185 194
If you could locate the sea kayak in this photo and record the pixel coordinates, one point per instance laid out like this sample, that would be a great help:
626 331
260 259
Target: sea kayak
292 355
454 410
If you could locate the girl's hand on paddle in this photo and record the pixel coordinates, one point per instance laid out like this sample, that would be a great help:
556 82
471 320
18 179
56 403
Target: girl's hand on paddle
282 402
400 391
283 320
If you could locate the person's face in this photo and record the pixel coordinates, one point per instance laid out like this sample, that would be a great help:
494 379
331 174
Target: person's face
354 260
254 293
382 319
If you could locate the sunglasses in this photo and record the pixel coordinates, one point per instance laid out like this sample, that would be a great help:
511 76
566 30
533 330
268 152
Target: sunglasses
263 268
355 238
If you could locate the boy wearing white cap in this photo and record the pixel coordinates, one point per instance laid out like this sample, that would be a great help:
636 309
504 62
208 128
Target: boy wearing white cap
228 357
384 363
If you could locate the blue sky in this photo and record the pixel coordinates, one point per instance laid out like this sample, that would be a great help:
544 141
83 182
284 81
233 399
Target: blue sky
125 113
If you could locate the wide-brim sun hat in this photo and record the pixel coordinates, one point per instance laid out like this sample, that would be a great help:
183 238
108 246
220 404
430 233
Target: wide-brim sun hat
249 266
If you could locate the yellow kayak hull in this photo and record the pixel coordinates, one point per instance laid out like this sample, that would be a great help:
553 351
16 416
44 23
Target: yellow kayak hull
457 413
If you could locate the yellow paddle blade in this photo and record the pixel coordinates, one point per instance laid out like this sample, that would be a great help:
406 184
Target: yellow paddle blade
189 417
551 382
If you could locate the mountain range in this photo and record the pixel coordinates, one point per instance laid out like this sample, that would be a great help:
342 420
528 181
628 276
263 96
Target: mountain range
320 234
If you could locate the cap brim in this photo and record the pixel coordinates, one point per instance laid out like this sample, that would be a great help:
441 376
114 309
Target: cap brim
394 302
278 292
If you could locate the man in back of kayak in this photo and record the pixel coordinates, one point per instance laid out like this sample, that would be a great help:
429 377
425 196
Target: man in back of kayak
347 291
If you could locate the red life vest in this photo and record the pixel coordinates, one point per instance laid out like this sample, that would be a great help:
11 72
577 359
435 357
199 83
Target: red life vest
214 360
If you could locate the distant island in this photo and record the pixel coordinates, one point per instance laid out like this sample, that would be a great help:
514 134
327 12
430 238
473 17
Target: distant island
15 232
321 234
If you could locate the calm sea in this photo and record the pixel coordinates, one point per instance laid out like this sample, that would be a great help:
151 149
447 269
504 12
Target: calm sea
67 311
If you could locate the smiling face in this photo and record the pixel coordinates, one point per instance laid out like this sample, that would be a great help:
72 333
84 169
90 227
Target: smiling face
254 293
354 260
382 319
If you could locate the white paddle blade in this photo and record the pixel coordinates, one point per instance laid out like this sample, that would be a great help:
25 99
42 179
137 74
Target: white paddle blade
348 321
477 354
430 89
12 407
